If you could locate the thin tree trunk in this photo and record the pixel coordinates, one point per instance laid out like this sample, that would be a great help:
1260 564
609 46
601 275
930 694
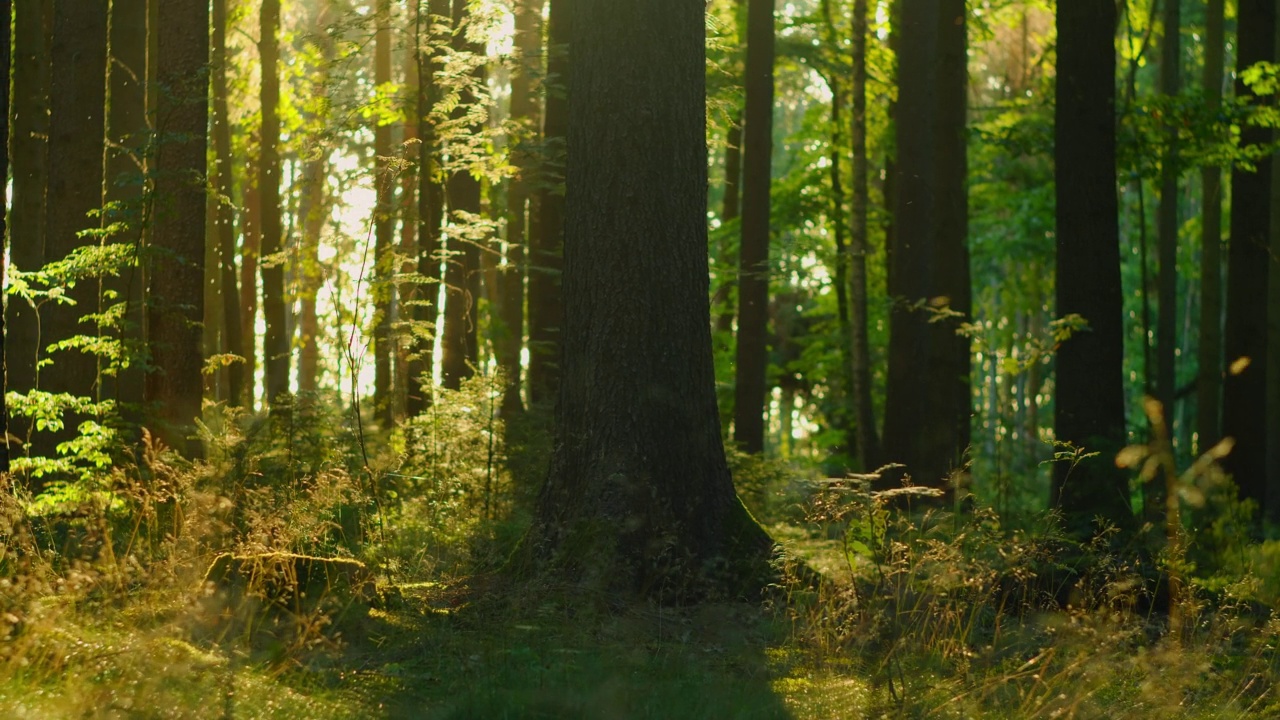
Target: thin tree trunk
868 444
729 212
1271 505
224 179
175 388
546 231
1244 414
314 208
275 346
1209 379
383 221
250 251
6 47
406 292
753 253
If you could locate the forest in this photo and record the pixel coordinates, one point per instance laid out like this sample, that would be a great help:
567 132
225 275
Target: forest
640 359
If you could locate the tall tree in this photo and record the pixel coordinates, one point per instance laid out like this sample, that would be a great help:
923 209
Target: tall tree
177 296
638 498
275 344
313 206
927 408
753 250
76 146
546 231
28 153
384 221
462 267
1167 218
226 223
6 46
868 444
1244 393
1271 504
1089 403
524 112
431 30
1209 357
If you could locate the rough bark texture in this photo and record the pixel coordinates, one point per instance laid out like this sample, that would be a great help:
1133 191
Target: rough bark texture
275 343
546 231
1089 404
753 251
1209 379
1244 394
224 182
175 388
462 266
76 145
927 408
29 157
384 223
638 498
1271 505
868 442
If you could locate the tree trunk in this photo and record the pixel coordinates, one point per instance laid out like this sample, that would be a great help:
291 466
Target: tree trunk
224 179
75 183
175 387
546 231
6 47
1089 404
927 407
524 113
275 343
1271 505
314 207
250 251
430 206
729 212
1209 379
1244 394
462 267
753 252
639 499
383 221
406 290
29 156
868 444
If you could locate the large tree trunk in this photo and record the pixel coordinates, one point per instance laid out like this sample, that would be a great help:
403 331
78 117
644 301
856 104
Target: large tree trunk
29 155
462 268
175 387
1209 379
927 409
524 112
868 444
546 227
275 345
75 183
753 252
384 221
1089 402
1244 394
224 177
639 498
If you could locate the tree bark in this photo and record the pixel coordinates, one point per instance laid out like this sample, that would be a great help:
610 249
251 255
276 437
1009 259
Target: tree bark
1209 357
6 47
927 407
224 179
275 344
75 187
29 157
730 211
1244 394
1089 403
753 253
868 443
175 388
462 267
250 250
1271 505
546 231
383 221
1167 230
639 499
314 207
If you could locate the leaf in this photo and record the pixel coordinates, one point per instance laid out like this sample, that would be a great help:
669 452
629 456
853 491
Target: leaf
1131 456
